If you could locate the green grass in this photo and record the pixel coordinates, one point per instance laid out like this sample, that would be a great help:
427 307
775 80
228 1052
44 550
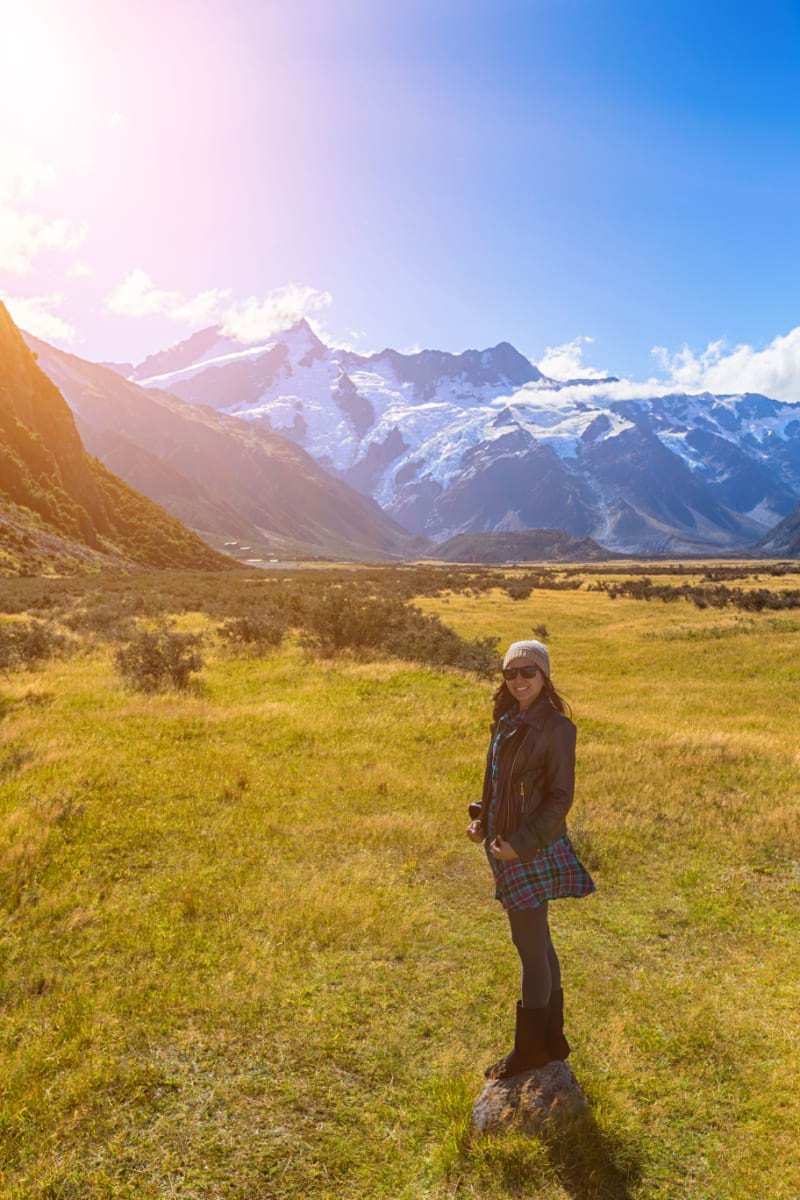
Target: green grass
247 951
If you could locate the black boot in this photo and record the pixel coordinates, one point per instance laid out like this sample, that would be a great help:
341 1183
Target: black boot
530 1045
559 1046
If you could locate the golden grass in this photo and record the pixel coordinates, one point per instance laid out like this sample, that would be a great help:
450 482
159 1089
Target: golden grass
248 953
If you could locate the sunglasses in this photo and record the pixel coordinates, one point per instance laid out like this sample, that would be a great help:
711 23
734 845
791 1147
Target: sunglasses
525 672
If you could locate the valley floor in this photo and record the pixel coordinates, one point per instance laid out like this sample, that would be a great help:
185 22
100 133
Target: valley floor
248 953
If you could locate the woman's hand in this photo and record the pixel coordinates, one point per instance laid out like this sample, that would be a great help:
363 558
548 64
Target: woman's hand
475 831
502 849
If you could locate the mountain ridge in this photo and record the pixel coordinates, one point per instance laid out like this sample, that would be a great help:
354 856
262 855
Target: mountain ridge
483 440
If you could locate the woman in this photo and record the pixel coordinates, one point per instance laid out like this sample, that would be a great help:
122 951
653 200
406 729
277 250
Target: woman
527 791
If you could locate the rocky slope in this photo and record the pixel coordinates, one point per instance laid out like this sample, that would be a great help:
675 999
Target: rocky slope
783 540
526 545
483 441
28 546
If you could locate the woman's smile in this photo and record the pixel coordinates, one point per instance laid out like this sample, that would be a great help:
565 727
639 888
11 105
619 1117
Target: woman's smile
524 690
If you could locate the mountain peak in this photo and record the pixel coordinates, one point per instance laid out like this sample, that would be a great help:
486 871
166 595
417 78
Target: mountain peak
181 354
302 326
512 362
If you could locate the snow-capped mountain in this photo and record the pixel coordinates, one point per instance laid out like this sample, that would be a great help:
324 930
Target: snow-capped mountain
482 441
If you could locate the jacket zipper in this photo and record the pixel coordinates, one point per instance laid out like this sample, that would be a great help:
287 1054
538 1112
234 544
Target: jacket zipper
510 775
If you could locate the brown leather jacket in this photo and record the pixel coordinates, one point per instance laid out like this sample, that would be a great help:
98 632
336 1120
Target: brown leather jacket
536 782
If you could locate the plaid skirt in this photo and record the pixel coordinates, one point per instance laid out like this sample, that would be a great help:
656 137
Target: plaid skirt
553 873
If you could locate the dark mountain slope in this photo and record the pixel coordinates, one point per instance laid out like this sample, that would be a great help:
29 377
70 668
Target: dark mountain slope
45 469
784 539
183 496
654 500
523 545
513 483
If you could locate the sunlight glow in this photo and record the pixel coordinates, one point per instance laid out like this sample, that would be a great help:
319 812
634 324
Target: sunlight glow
40 75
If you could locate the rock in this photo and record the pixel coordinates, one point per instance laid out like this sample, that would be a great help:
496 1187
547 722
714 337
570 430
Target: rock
527 1101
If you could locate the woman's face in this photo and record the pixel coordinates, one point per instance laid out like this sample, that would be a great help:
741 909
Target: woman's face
524 691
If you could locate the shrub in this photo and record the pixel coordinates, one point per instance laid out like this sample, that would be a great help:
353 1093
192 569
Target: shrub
259 633
105 621
27 643
715 596
518 589
425 639
336 620
159 658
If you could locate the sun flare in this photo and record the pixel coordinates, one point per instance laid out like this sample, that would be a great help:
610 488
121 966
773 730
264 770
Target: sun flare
39 71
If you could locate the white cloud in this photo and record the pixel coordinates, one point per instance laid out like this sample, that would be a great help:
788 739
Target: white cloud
35 315
566 361
21 174
773 370
621 389
25 234
255 318
137 296
249 320
201 309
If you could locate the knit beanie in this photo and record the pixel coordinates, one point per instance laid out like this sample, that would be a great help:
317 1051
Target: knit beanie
533 651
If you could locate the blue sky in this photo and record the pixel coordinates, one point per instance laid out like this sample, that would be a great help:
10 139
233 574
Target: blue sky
439 174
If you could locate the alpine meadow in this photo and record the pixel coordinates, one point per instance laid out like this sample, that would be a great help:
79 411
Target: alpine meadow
248 952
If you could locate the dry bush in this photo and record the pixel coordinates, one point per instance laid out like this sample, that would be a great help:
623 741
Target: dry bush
159 658
702 596
518 589
104 621
259 633
335 620
25 644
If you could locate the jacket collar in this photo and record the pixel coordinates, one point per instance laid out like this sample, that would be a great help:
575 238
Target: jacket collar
535 714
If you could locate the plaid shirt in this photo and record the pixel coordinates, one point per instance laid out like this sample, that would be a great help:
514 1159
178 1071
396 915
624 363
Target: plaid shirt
554 872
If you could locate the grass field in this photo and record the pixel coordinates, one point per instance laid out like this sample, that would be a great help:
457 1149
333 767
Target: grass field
247 951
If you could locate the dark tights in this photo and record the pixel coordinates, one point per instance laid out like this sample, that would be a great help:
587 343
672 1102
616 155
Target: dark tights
541 972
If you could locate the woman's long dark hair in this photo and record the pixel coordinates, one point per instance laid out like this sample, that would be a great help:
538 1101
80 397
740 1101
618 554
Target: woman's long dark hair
503 700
